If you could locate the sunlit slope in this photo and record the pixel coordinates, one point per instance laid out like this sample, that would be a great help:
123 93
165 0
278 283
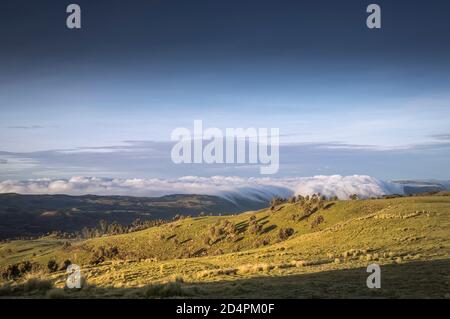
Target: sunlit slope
396 233
201 236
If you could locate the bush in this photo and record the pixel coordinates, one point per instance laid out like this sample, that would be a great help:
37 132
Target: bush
285 233
66 264
25 267
15 271
262 242
102 253
255 228
52 266
11 272
230 228
319 219
216 231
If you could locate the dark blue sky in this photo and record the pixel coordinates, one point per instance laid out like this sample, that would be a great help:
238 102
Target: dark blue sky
138 69
227 32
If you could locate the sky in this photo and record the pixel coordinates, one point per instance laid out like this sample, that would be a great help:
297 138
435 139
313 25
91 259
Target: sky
103 100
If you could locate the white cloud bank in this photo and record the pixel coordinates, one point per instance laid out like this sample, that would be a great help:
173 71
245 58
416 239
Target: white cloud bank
231 188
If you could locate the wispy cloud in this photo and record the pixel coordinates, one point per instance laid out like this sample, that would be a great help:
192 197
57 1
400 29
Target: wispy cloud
441 137
26 127
148 159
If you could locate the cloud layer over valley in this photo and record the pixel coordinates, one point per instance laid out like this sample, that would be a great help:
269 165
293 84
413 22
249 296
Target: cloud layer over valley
232 188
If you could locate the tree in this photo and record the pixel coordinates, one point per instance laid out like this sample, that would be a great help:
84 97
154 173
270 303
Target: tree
285 233
103 226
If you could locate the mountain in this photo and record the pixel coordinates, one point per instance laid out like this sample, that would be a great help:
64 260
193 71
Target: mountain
413 187
32 215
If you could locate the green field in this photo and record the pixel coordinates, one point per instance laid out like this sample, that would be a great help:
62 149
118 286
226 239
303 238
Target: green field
230 257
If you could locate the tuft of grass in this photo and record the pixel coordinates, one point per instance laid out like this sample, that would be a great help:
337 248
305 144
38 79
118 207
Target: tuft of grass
170 289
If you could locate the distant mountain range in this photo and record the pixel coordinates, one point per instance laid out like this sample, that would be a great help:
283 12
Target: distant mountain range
413 187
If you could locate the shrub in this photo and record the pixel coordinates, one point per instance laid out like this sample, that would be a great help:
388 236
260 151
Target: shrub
15 271
255 228
11 272
285 233
254 268
102 253
216 231
66 264
25 267
230 228
218 252
52 266
317 221
262 242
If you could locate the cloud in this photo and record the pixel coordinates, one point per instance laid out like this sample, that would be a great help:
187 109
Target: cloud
441 137
150 159
232 188
26 127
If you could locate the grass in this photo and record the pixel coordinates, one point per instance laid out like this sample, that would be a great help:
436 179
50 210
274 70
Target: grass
407 236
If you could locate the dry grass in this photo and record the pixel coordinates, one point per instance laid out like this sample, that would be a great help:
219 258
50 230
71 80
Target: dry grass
391 232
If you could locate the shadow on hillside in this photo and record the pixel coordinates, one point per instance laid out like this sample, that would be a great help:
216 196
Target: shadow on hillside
425 279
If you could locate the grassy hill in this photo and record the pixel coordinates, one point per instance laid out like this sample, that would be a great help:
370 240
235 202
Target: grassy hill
285 251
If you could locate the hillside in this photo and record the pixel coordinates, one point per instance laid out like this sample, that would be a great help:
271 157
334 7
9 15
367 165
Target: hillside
289 250
35 215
